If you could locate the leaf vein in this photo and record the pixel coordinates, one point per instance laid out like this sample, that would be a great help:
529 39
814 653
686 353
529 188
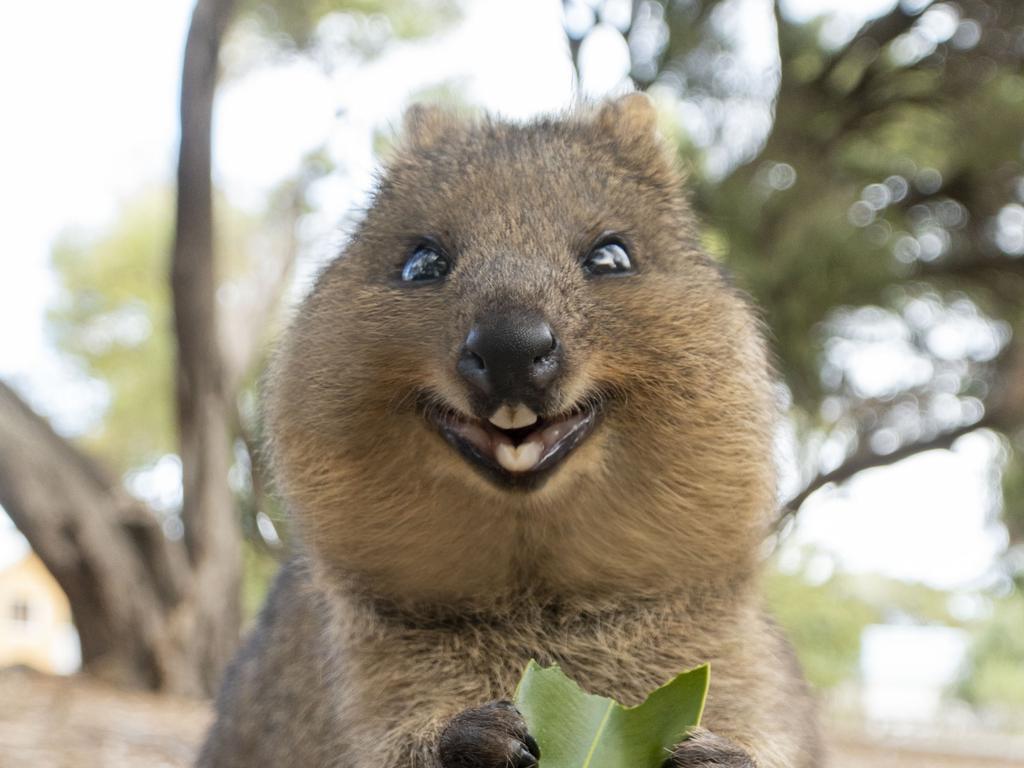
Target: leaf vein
597 736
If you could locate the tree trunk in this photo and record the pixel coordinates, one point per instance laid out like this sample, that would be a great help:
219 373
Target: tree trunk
121 574
205 410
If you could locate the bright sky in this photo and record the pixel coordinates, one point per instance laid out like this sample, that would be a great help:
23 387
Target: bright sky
90 118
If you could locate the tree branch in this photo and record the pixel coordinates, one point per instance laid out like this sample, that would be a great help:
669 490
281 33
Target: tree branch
868 459
881 31
975 267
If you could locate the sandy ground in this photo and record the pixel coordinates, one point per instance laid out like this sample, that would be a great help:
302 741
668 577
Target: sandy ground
48 722
52 722
850 752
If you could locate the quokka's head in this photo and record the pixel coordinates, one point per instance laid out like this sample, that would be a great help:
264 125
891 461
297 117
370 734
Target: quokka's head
520 358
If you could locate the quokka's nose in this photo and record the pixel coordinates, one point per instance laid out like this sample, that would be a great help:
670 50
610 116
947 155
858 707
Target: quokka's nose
510 357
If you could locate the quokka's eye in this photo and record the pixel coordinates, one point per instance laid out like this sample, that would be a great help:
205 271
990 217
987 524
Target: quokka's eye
426 264
608 258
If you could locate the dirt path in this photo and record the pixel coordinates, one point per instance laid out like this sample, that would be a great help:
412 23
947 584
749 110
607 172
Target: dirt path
51 722
849 753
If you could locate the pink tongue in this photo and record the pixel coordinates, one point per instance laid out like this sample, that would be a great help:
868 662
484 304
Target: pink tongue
476 435
556 432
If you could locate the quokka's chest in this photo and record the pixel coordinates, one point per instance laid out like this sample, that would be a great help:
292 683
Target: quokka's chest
625 660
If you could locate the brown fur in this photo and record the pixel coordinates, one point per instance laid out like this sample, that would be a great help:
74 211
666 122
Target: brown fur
422 588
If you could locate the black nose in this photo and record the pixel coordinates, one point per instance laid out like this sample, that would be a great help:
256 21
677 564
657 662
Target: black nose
510 357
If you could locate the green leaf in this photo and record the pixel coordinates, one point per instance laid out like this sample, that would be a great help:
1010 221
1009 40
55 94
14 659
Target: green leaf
576 729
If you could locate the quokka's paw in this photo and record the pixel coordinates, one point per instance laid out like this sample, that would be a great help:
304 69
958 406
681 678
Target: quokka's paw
491 736
706 750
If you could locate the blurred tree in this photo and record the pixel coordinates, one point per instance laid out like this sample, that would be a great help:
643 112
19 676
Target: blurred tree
876 174
151 609
112 317
994 676
112 314
332 30
824 623
824 618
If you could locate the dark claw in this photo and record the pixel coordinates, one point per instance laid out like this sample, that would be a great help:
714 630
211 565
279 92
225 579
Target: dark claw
706 750
525 758
490 736
531 744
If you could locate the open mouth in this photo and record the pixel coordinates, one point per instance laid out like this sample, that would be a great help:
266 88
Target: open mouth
515 446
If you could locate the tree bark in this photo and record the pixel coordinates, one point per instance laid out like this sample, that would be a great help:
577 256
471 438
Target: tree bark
212 536
107 552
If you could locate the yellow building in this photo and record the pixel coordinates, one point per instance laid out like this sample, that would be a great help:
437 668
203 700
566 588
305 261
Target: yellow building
35 619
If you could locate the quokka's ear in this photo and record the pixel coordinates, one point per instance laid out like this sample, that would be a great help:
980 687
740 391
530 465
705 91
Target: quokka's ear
630 122
424 125
629 117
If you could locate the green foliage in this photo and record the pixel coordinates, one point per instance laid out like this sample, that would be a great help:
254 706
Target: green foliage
824 619
258 570
903 601
823 622
1013 491
575 729
361 27
994 677
112 316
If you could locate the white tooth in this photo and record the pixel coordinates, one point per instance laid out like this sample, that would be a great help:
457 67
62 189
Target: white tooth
523 417
520 458
502 418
